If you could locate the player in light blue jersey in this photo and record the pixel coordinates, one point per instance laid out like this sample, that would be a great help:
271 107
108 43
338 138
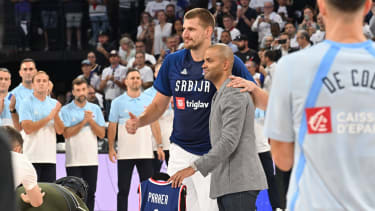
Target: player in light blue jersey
5 99
181 77
24 89
321 118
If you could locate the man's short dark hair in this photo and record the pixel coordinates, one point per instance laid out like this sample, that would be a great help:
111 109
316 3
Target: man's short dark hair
228 16
40 72
14 136
78 81
27 60
305 35
347 5
130 71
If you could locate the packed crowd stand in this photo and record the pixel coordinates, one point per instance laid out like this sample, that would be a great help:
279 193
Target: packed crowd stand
259 32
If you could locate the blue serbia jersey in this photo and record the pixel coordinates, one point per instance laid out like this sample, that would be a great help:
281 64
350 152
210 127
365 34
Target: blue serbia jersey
183 78
157 195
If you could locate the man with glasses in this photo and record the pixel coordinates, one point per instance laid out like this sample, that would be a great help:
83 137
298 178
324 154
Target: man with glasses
303 39
140 47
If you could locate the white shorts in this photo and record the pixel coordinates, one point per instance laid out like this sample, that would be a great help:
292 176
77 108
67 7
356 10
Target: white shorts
198 187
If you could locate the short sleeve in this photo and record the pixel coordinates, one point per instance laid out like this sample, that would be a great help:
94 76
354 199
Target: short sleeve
64 117
113 113
239 69
25 111
99 118
279 117
147 75
162 83
29 177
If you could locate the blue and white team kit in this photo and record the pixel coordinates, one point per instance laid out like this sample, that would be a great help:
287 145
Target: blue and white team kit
322 99
157 195
6 116
183 78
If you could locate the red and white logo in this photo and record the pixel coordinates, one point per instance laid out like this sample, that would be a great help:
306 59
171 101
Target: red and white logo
319 120
180 103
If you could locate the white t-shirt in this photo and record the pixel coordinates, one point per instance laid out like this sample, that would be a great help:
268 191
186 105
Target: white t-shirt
234 33
153 6
111 90
23 171
146 74
264 28
261 141
159 35
148 57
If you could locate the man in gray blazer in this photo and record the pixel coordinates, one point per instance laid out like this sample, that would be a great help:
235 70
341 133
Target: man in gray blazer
237 173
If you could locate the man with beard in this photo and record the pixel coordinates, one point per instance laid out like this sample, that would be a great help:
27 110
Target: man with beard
181 77
24 89
244 52
83 123
40 121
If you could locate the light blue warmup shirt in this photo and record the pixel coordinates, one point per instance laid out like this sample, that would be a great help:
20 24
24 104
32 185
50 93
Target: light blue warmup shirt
322 99
71 114
6 117
21 93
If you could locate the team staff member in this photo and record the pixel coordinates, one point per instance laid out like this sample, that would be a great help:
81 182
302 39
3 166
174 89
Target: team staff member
5 99
40 120
23 171
321 120
84 123
181 76
237 173
24 89
133 150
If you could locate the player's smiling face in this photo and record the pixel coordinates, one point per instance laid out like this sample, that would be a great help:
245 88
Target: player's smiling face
193 34
213 65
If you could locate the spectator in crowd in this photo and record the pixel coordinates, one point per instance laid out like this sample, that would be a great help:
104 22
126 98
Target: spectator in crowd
83 124
226 39
103 47
23 171
269 61
290 29
162 31
95 97
153 7
98 18
228 7
111 82
245 18
49 17
128 16
40 120
5 99
171 46
320 34
258 5
91 77
144 25
133 150
126 50
73 17
147 75
285 9
283 44
170 11
308 19
140 47
96 68
267 42
262 24
166 125
216 35
178 29
303 39
23 90
244 52
229 26
22 16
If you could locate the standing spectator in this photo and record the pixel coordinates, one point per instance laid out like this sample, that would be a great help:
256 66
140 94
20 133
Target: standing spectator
22 16
147 75
5 100
133 150
245 18
170 11
178 28
24 89
98 18
290 29
162 31
126 50
284 44
258 5
144 26
227 39
320 34
83 124
244 52
91 77
111 81
95 97
262 24
48 13
140 47
172 46
269 60
40 120
229 26
228 7
96 68
128 16
303 39
73 17
103 47
308 19
153 7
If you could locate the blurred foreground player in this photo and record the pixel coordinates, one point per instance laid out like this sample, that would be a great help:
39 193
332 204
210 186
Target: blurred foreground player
321 121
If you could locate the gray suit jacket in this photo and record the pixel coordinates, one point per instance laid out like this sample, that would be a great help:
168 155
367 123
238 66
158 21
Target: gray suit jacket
233 159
